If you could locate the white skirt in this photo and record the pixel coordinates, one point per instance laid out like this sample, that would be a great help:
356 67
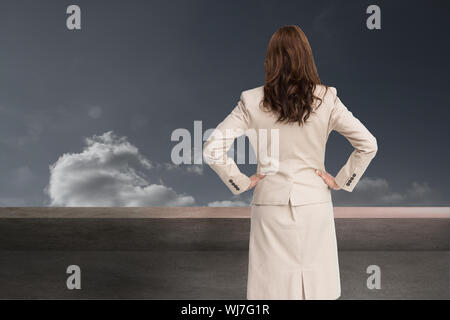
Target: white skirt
293 253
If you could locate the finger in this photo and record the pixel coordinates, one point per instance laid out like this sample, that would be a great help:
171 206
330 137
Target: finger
323 176
326 179
327 175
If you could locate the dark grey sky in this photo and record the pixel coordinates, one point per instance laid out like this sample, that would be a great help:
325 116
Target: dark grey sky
144 68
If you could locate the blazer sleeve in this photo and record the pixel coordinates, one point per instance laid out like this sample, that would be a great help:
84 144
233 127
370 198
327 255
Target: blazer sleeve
219 142
364 143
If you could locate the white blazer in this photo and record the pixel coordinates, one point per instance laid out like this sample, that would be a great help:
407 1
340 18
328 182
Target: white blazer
289 154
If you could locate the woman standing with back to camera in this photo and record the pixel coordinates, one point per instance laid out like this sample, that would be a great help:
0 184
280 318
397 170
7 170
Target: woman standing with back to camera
292 248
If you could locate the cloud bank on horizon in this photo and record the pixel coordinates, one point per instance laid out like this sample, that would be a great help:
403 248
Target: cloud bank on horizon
109 172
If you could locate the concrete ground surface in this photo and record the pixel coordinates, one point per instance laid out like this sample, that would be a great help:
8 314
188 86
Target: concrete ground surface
206 274
207 258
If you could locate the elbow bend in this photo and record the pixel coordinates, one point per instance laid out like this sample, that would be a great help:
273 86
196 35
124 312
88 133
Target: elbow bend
206 153
211 156
207 156
373 147
369 149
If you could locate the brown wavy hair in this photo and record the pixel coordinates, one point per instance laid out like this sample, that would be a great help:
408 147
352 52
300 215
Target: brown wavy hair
291 76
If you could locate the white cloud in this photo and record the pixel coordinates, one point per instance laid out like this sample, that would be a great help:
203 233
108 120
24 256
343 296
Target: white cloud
187 168
377 191
195 168
236 201
228 203
368 192
192 168
108 173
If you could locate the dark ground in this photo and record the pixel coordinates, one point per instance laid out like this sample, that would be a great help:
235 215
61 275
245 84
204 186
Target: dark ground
207 258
